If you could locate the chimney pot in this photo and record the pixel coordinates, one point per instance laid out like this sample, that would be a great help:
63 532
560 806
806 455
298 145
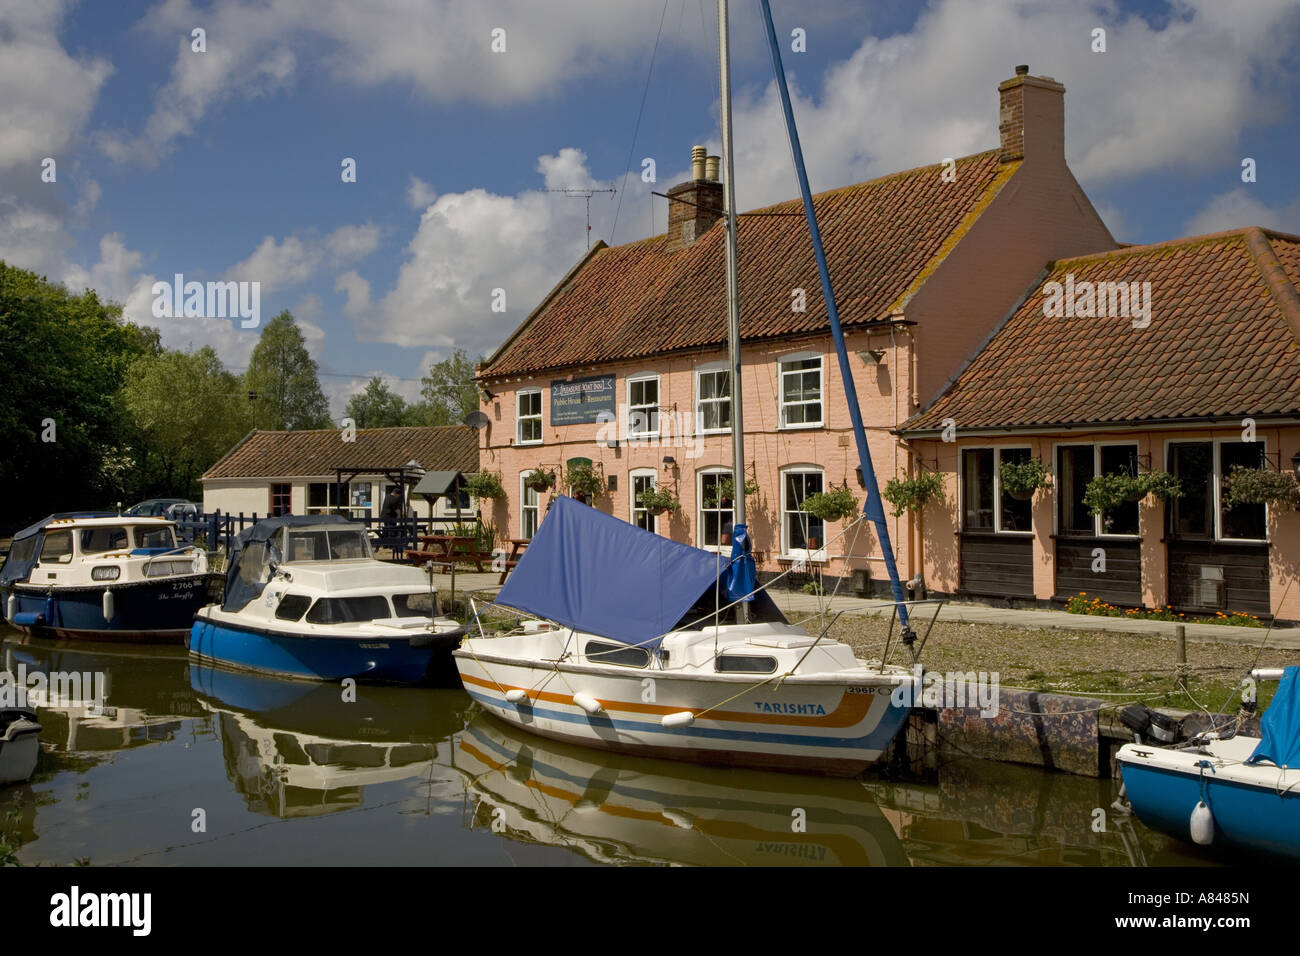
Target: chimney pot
1022 70
697 162
711 168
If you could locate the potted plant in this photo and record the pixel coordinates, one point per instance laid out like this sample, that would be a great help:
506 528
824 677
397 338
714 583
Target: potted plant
834 505
584 481
1163 485
727 490
539 480
658 500
912 494
1262 486
486 485
1106 492
1021 479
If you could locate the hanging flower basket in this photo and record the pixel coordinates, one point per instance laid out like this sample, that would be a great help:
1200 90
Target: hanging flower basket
659 500
486 486
1021 479
1107 492
834 505
584 482
1262 486
539 481
912 494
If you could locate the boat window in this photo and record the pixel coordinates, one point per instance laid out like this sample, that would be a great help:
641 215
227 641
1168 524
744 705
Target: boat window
292 606
305 546
349 610
602 653
745 664
156 538
420 604
57 548
348 545
96 540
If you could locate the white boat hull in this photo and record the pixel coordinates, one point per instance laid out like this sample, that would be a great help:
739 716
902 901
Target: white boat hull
833 724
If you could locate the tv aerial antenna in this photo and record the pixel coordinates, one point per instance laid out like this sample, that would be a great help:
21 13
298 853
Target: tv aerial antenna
581 193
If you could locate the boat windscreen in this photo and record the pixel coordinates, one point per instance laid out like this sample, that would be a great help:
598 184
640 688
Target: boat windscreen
321 544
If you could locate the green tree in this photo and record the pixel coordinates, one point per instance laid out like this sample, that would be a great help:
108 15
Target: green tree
449 390
188 411
62 421
377 406
282 375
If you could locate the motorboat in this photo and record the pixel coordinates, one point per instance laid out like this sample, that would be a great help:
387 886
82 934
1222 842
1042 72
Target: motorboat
306 598
103 576
20 743
1226 789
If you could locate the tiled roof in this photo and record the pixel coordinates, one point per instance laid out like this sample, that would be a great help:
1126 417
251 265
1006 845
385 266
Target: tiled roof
640 299
1223 342
266 454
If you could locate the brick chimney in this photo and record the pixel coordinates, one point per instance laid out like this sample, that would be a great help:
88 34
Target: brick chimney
1032 118
696 205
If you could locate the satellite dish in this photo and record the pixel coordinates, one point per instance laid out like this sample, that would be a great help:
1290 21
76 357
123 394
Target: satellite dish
476 420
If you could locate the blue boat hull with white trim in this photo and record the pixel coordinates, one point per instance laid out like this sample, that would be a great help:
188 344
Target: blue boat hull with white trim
160 609
399 659
1253 807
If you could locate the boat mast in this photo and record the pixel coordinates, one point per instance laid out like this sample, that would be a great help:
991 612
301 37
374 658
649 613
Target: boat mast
733 302
873 507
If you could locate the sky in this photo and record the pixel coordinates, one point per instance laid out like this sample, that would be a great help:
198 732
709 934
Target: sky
227 164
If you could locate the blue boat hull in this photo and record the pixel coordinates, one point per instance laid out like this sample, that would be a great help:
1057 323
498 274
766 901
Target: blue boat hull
365 658
1253 818
156 610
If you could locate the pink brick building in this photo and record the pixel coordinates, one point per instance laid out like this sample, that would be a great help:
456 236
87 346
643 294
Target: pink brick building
623 364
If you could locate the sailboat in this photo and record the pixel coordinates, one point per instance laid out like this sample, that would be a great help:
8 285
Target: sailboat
644 645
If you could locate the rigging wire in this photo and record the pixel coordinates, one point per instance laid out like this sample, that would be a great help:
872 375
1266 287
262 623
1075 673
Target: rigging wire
637 127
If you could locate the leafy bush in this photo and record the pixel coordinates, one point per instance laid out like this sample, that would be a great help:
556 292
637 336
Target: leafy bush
833 505
913 494
658 500
583 480
1024 477
1262 486
485 486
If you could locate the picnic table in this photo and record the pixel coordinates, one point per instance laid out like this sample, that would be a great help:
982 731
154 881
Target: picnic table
446 549
516 546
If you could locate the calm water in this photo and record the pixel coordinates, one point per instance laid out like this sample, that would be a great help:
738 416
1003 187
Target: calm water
282 772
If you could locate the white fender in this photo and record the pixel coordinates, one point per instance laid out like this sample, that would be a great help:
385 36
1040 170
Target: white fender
12 608
587 703
516 696
1202 825
108 607
200 562
682 718
678 819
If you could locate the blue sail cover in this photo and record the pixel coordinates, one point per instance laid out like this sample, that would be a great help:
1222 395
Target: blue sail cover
742 578
1280 725
593 572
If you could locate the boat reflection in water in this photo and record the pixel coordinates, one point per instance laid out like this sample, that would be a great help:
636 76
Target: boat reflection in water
616 809
120 698
294 749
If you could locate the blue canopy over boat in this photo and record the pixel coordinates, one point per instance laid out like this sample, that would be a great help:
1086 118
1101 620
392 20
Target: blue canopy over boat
596 573
1280 725
26 545
244 575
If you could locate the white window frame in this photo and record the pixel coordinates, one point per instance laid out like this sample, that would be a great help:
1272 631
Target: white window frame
1216 485
700 509
632 434
520 418
815 555
782 405
997 488
713 368
524 506
1097 446
634 505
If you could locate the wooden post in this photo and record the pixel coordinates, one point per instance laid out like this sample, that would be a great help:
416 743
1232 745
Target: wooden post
1180 637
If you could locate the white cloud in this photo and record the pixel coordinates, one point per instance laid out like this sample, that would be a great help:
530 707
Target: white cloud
279 264
1237 208
440 49
419 193
469 244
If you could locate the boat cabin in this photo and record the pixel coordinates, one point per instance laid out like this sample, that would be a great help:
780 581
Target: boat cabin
94 550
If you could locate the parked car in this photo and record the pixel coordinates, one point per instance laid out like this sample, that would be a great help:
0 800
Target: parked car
171 508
